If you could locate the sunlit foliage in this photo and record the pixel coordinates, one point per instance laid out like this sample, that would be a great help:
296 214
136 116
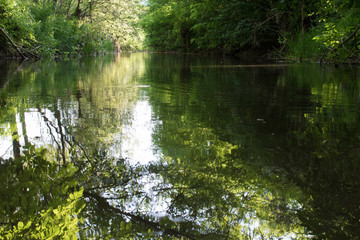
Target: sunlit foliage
48 28
40 199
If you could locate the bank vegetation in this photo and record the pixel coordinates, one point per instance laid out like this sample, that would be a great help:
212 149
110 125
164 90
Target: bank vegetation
321 30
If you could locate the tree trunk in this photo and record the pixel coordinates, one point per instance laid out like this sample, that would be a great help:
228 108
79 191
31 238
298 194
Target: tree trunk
16 143
302 20
23 124
12 43
61 133
78 10
90 10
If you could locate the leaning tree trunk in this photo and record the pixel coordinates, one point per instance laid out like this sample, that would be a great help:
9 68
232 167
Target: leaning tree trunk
12 43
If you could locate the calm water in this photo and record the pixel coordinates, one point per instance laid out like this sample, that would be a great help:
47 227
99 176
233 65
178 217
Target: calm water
192 146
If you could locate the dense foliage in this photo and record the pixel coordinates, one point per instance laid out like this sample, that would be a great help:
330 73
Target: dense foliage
299 28
40 200
66 27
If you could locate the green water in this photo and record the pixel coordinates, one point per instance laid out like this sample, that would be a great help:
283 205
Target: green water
209 147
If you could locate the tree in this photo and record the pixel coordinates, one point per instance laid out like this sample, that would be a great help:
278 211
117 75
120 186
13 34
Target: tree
66 27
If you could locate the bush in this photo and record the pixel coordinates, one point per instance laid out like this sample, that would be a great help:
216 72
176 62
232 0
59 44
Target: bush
92 41
335 30
304 47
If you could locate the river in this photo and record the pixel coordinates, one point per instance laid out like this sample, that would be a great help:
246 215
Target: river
200 147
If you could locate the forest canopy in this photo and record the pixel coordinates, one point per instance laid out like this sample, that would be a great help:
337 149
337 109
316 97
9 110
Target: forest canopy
297 29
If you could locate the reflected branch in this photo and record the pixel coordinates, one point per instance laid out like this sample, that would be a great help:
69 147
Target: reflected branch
49 125
175 188
153 225
62 136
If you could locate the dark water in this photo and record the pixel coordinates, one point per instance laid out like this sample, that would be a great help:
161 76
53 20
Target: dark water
208 147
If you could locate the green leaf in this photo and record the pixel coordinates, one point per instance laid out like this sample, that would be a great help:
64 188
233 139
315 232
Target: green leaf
128 226
20 225
122 225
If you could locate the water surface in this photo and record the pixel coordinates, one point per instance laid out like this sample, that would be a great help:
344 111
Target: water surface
209 147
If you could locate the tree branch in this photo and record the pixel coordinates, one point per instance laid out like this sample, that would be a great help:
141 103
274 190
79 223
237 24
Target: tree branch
346 40
351 35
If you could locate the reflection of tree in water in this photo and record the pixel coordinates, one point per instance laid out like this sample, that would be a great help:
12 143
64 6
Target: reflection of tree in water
58 105
326 168
245 157
282 142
